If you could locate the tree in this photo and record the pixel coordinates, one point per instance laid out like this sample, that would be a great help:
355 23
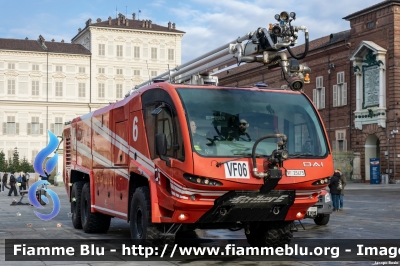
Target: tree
25 166
13 164
3 165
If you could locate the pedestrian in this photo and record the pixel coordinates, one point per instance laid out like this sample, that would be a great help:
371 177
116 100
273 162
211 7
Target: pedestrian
335 192
27 179
4 180
343 179
13 182
23 182
45 177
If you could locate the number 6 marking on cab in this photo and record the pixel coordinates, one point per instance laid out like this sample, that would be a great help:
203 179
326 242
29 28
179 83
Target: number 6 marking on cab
135 129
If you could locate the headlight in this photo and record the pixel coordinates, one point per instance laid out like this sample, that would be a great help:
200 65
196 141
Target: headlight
327 197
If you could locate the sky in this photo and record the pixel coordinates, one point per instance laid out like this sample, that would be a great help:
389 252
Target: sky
208 24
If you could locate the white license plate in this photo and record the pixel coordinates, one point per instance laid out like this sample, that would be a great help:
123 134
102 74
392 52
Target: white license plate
295 173
237 169
312 211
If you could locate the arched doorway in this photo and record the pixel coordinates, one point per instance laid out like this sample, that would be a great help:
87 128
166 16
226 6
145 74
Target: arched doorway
372 148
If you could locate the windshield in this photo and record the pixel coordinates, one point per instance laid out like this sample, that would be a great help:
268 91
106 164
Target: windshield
227 122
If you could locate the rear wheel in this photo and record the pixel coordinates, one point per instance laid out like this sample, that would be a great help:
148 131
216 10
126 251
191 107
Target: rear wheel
92 222
269 234
140 216
322 219
76 196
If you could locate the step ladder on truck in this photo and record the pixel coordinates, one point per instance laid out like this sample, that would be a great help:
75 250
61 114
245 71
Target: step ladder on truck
180 153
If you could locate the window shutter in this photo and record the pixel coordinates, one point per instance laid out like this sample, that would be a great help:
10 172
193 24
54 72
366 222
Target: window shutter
16 128
41 128
344 94
335 95
333 145
340 77
314 96
52 127
4 128
323 97
345 145
28 128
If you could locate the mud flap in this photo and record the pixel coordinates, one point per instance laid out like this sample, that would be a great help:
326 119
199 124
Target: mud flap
247 206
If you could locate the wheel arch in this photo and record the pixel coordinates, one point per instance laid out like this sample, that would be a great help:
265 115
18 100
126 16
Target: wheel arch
135 181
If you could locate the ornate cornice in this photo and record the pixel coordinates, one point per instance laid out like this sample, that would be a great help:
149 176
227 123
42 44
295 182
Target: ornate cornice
11 74
119 78
59 76
139 32
102 38
101 78
119 39
34 75
154 41
136 40
82 77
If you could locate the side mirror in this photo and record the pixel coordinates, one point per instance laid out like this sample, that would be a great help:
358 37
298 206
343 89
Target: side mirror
161 144
161 147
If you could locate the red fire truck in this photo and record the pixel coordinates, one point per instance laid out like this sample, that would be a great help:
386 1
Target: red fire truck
186 154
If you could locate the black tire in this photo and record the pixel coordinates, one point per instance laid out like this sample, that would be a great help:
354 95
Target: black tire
322 219
140 216
270 234
76 196
92 222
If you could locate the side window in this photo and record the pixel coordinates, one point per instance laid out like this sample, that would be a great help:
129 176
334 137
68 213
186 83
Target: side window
164 122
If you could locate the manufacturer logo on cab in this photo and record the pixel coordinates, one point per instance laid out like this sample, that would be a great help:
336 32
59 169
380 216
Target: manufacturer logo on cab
315 164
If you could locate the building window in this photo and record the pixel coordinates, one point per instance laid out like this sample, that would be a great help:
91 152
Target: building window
120 71
319 93
119 50
10 127
153 53
11 66
35 87
340 91
171 54
153 73
35 127
59 68
35 67
59 89
370 25
102 70
81 90
102 49
119 91
136 72
136 52
58 126
11 87
340 144
82 70
101 90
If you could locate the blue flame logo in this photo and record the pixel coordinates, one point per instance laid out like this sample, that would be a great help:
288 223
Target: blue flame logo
38 166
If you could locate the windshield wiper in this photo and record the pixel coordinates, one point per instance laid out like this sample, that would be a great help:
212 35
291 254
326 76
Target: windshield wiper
244 155
297 155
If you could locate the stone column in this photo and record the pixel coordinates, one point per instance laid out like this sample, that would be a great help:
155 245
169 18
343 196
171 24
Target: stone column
357 168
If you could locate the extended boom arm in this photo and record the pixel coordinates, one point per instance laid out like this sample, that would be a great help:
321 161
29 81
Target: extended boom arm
263 46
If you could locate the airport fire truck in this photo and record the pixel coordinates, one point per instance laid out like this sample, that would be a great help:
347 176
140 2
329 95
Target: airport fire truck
180 153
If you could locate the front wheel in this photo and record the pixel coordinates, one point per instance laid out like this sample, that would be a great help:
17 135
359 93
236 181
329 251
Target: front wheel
322 219
140 216
269 234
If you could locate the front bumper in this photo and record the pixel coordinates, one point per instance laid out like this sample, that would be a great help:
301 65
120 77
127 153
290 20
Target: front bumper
248 206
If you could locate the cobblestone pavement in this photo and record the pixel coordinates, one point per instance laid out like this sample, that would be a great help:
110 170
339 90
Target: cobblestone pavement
371 212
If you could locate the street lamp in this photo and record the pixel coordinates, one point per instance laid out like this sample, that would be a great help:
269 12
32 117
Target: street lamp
394 132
